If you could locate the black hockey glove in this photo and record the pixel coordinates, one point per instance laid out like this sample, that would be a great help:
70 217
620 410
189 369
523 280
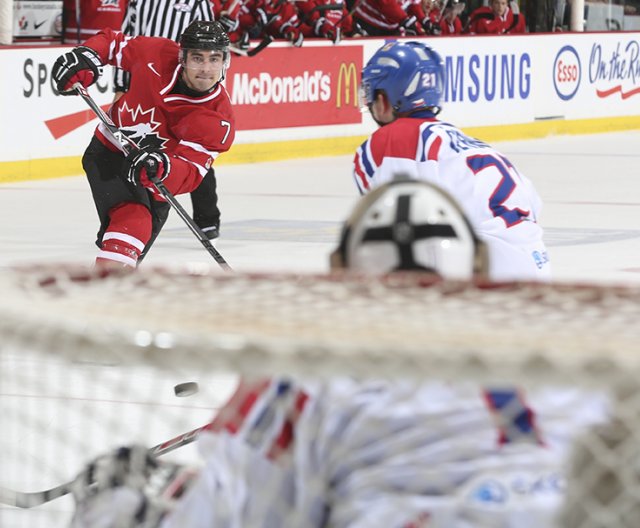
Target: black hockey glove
409 26
228 23
126 466
127 488
81 65
139 163
262 18
428 26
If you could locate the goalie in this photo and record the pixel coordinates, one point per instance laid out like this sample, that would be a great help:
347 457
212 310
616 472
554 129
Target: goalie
344 453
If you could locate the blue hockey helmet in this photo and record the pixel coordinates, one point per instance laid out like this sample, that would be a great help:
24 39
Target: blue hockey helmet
409 73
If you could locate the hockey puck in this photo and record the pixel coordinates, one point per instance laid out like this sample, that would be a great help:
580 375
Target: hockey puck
185 389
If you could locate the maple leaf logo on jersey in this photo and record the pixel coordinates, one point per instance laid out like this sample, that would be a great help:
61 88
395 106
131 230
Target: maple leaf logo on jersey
144 131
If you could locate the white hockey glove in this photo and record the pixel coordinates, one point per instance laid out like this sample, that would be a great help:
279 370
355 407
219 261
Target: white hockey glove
138 164
127 488
81 65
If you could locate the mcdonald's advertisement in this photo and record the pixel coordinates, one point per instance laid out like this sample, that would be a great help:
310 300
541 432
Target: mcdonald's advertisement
295 87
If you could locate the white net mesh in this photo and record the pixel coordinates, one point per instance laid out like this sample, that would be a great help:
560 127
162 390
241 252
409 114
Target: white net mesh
89 361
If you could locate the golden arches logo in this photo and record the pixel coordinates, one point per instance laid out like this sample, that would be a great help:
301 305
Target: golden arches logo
347 85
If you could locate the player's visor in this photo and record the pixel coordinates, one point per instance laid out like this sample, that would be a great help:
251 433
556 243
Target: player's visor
198 59
365 97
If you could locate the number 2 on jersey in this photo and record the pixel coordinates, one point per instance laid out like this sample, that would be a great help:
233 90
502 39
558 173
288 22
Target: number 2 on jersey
503 190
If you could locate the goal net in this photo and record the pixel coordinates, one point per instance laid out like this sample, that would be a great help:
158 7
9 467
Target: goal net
89 361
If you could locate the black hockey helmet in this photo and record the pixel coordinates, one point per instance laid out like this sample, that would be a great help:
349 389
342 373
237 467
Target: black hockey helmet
204 35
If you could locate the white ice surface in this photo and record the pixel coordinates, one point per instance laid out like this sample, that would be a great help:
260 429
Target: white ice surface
277 216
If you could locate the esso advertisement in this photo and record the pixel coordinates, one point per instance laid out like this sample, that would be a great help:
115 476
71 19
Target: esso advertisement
603 66
294 87
567 72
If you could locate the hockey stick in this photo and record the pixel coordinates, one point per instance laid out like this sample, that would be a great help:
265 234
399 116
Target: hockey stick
21 499
128 145
255 50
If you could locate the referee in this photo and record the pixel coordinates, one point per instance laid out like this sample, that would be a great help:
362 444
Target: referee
164 18
168 19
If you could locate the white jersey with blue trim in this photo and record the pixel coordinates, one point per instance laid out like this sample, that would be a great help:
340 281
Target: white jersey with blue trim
376 454
501 203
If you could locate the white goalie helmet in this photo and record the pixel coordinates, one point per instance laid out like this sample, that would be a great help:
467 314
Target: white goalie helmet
410 225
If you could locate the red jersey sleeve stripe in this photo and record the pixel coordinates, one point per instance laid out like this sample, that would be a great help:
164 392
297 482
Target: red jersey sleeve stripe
361 178
434 149
287 433
233 415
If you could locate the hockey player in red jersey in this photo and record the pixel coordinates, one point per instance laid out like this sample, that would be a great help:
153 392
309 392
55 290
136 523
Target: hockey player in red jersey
246 19
169 19
500 17
450 23
403 88
280 19
241 20
176 110
327 19
380 18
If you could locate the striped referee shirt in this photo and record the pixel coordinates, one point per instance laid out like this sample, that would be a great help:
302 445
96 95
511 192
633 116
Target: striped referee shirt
164 18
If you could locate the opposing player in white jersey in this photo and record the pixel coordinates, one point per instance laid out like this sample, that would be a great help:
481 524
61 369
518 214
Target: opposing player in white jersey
347 453
402 86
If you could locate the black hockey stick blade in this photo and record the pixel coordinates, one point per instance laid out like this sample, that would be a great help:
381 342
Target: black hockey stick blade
127 146
255 50
22 499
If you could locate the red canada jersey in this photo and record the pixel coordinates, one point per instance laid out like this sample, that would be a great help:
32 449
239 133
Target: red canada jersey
383 14
193 131
448 27
485 21
93 16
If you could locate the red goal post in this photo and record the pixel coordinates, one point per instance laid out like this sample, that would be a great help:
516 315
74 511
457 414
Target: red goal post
88 360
